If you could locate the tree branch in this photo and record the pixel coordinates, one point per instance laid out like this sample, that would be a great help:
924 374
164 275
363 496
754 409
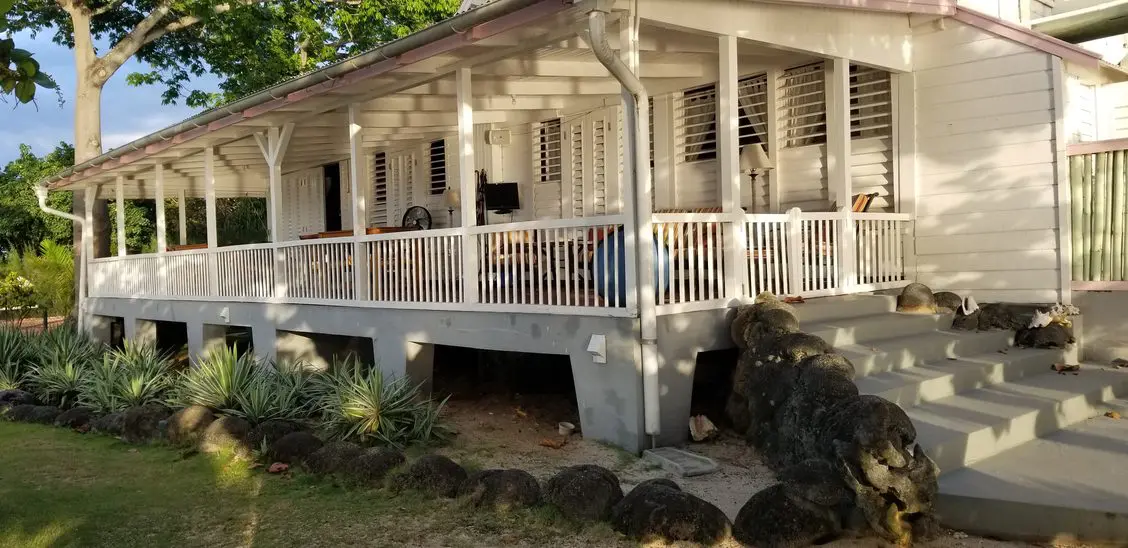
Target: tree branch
127 46
187 21
104 9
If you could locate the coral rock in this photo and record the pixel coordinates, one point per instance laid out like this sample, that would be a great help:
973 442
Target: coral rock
435 475
584 492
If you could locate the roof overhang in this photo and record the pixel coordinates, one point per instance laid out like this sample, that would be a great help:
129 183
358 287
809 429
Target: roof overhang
1090 23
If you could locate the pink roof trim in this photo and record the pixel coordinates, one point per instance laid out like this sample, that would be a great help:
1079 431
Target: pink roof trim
1029 37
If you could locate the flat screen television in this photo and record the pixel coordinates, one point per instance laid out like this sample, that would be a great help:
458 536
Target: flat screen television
502 197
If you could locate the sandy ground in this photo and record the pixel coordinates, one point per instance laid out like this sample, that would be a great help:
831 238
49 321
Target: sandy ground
501 432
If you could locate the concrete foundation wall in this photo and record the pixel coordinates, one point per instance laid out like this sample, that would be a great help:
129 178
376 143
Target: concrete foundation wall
681 337
1106 324
609 395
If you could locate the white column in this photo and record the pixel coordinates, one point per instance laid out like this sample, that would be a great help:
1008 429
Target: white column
181 213
209 197
119 193
273 144
91 194
838 132
773 146
359 205
159 198
467 185
728 155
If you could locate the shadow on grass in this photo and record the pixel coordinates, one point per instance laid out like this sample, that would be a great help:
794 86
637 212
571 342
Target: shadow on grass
60 488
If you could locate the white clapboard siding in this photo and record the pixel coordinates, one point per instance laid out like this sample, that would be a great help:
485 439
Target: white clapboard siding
805 185
1112 111
548 169
986 219
1080 111
378 175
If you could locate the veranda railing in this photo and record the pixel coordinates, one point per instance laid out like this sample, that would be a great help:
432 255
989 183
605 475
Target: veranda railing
1098 182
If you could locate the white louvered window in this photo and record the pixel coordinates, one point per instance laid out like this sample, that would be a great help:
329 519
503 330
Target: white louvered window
379 215
871 105
576 169
696 126
803 113
548 168
438 167
599 167
752 98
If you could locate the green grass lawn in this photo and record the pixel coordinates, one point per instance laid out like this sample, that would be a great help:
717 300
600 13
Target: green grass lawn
60 488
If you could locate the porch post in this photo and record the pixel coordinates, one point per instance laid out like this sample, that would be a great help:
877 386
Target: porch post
273 144
182 221
210 214
119 193
728 154
773 148
838 131
159 198
359 206
467 186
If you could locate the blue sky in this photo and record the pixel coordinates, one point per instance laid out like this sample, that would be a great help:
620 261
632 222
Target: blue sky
127 112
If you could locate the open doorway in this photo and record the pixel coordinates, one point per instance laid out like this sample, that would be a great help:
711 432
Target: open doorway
712 384
512 399
332 196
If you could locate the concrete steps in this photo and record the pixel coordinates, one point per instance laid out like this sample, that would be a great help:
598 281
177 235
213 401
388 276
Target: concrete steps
1068 485
1006 431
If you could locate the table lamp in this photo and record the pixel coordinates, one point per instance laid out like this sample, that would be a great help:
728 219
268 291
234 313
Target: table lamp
453 200
754 161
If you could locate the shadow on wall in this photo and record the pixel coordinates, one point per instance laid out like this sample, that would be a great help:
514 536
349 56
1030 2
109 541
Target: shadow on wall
318 351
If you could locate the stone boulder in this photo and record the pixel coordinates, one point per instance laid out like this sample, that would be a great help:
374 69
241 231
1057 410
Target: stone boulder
110 424
796 347
35 414
12 398
371 467
269 431
916 298
777 517
143 424
225 434
822 385
332 457
1010 316
75 418
502 489
584 492
294 448
948 302
1054 335
187 425
434 475
660 510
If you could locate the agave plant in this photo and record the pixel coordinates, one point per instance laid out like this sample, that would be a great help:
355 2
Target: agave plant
58 380
270 396
144 375
366 407
218 380
17 355
65 343
99 387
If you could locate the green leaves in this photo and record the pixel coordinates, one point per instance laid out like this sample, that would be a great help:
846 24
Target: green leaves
19 71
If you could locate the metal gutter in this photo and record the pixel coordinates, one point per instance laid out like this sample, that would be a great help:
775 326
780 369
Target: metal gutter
643 233
1082 25
41 194
454 26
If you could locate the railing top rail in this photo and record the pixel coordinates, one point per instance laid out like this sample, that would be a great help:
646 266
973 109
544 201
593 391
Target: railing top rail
243 247
766 217
315 241
1094 147
580 222
412 235
883 216
696 217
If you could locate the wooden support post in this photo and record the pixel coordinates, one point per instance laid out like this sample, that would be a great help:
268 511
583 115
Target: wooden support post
119 193
181 213
728 155
273 144
773 148
467 186
838 131
159 198
359 205
210 212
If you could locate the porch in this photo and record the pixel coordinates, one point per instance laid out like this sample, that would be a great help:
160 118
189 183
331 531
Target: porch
499 189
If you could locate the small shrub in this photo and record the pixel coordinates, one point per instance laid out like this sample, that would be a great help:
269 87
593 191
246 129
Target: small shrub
59 381
217 381
132 377
365 407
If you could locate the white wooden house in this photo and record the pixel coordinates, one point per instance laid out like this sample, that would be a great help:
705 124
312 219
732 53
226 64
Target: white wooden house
623 125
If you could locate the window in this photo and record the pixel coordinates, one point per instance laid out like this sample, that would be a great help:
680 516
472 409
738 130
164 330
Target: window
803 113
546 151
871 105
696 127
697 118
380 189
438 167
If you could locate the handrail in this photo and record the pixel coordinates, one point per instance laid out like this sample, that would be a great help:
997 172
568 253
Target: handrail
1096 147
579 222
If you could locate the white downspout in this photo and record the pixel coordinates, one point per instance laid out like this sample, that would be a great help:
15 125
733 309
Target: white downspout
648 318
41 193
